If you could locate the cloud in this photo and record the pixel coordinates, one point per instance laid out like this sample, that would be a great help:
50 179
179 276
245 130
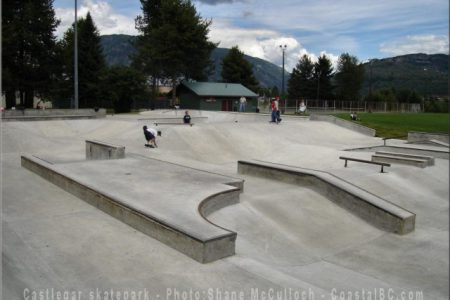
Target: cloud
264 44
261 43
106 20
429 44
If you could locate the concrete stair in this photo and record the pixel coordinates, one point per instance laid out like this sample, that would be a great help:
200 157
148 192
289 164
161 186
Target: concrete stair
420 161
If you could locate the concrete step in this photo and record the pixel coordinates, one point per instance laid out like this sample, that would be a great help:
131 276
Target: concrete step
429 159
421 163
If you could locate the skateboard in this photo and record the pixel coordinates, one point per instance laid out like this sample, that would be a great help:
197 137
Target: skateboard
149 146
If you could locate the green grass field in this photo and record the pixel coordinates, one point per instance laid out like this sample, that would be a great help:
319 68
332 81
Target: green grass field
398 124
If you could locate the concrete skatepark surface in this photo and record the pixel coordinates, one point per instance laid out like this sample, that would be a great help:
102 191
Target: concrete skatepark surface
287 237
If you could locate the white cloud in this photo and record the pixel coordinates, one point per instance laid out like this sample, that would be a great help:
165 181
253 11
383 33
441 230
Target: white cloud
106 20
429 44
264 44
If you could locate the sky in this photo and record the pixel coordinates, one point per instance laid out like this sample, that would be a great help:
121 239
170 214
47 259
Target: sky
366 29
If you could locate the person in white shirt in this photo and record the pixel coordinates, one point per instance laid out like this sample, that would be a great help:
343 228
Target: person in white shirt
150 136
242 102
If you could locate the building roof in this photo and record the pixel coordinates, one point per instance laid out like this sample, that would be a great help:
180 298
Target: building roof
219 89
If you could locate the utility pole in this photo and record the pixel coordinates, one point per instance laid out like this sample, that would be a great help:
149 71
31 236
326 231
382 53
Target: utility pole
75 67
283 50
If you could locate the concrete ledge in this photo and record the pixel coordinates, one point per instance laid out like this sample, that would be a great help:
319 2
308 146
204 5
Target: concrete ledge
367 206
102 150
52 114
416 136
416 160
343 123
191 234
444 154
173 120
421 163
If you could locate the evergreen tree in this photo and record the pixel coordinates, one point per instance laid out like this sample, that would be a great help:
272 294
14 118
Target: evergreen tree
323 72
123 86
173 43
235 69
349 77
91 63
28 49
302 83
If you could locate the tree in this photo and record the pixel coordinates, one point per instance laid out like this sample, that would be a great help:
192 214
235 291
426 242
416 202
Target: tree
173 43
349 77
235 69
323 72
91 62
28 49
122 86
302 83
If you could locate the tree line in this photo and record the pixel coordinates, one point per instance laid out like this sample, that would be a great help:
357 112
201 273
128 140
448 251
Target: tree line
172 45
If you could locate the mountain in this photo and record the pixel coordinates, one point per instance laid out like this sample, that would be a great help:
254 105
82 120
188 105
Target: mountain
425 74
118 47
267 73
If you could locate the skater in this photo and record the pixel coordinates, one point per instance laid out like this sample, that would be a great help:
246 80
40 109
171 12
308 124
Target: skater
150 136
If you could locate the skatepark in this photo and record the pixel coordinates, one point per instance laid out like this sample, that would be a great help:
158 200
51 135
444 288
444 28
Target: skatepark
230 206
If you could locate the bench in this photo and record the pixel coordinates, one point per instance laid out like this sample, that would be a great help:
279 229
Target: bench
382 164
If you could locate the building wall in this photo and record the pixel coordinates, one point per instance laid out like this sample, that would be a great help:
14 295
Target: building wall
189 100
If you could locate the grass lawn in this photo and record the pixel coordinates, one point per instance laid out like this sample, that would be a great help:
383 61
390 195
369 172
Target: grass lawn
398 124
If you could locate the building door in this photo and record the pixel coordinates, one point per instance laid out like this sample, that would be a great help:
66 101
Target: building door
227 105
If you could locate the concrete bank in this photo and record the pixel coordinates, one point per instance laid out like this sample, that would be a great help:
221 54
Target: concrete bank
367 206
343 123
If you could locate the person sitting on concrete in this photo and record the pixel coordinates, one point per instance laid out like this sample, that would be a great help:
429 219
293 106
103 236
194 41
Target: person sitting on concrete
40 105
302 108
186 118
150 136
354 116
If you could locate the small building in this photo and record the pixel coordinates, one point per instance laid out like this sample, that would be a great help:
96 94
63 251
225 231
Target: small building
215 96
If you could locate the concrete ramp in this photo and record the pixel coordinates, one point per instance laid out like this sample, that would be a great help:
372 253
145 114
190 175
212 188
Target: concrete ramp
165 201
369 207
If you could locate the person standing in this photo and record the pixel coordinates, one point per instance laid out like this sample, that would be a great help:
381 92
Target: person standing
277 110
274 108
242 102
